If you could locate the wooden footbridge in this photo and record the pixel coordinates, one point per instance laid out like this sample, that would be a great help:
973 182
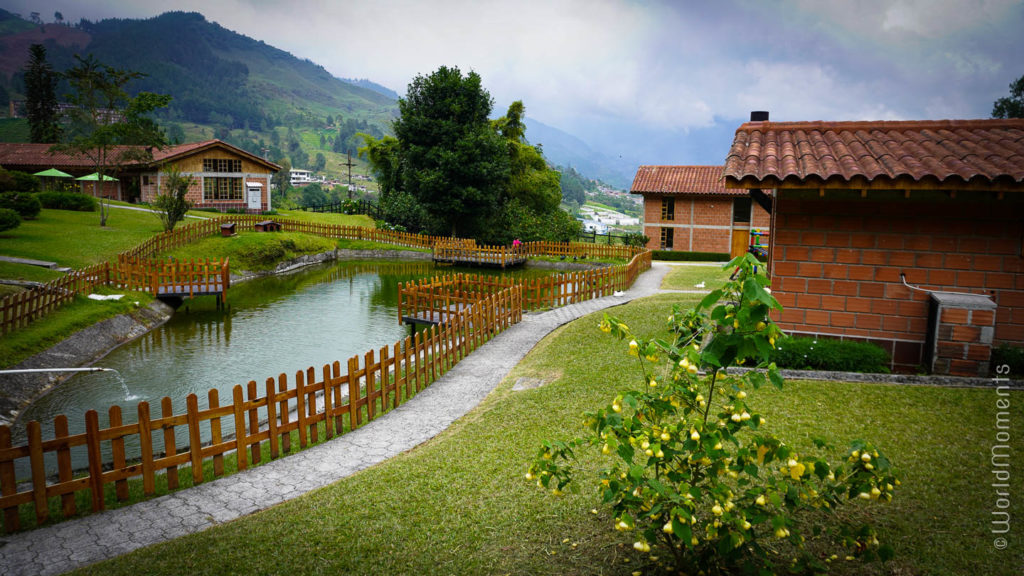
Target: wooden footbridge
467 253
175 279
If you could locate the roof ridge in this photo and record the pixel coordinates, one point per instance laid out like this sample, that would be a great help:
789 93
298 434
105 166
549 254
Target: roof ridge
884 125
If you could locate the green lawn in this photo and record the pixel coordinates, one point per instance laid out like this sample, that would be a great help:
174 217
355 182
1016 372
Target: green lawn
76 239
687 276
459 503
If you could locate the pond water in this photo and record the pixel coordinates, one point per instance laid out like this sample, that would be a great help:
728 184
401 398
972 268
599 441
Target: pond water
276 324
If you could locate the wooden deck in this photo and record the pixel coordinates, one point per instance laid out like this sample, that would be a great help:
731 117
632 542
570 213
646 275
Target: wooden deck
483 256
433 317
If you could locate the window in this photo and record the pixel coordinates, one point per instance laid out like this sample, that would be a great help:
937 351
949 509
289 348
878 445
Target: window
145 179
222 165
222 189
741 210
666 238
668 209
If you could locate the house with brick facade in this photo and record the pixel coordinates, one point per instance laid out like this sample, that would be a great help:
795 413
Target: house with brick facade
689 209
909 235
225 177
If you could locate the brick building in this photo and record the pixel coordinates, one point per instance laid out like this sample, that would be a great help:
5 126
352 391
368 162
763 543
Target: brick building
689 209
226 177
859 207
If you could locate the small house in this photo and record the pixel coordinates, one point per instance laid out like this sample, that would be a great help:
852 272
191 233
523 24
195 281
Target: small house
906 234
224 176
688 208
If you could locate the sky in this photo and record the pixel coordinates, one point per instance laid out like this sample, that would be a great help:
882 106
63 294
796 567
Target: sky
658 82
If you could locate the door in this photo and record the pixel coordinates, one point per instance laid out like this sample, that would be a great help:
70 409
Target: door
740 241
255 197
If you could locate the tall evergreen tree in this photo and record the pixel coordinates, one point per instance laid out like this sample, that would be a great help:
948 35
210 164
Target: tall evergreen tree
41 97
453 162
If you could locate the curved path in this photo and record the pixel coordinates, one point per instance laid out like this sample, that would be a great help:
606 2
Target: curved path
83 541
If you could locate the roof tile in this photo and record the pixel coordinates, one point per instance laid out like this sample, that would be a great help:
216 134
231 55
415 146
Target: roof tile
950 151
681 180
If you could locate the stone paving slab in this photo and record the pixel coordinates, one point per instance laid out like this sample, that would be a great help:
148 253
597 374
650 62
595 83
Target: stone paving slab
83 541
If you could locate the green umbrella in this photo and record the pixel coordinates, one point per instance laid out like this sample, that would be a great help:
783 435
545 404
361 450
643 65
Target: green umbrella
53 173
96 176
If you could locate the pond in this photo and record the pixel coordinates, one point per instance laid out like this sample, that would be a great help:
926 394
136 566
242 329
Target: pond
276 324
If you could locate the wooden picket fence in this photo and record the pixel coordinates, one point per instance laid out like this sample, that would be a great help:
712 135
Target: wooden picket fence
438 296
468 253
339 399
19 309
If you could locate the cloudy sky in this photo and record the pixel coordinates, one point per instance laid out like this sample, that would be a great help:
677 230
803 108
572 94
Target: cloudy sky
657 81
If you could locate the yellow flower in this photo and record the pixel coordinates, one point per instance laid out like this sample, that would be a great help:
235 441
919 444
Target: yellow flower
605 327
633 348
795 472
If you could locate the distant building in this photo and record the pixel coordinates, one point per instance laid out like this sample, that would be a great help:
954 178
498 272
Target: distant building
225 177
688 208
301 177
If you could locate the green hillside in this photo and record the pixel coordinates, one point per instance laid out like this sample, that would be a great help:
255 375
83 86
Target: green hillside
223 84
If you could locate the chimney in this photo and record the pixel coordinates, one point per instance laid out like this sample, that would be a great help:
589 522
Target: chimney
759 116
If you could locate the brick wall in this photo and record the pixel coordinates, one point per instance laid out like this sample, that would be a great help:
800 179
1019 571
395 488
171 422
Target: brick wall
695 215
836 262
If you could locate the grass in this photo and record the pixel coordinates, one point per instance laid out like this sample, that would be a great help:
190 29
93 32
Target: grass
459 503
254 251
68 319
76 239
685 277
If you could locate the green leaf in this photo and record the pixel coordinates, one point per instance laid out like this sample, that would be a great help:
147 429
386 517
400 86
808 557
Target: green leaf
776 379
626 452
710 299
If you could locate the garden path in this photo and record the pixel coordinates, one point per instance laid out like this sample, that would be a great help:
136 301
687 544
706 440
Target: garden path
83 541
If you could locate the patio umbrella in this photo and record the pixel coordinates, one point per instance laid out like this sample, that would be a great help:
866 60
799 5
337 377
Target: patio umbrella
96 176
51 177
53 173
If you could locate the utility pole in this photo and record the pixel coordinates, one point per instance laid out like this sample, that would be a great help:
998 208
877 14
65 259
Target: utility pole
349 164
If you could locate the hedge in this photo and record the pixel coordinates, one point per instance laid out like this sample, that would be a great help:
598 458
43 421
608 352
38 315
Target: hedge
831 355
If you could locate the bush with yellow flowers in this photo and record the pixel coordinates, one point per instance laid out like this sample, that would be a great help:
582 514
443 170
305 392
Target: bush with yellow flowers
694 477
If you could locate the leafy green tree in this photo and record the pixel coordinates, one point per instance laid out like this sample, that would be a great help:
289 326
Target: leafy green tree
453 162
531 181
320 163
1011 106
313 195
106 125
171 205
41 97
385 160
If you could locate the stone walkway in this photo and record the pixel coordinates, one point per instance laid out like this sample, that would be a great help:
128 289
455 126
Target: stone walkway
83 541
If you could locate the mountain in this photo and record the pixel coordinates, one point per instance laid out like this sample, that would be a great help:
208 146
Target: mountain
215 75
366 83
564 149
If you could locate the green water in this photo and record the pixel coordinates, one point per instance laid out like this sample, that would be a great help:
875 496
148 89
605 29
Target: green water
278 324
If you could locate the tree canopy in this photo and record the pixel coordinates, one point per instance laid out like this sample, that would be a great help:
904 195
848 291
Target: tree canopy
453 162
1011 106
105 124
452 170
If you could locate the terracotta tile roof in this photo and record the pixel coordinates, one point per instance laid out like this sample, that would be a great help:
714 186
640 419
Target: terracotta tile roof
23 155
941 151
681 180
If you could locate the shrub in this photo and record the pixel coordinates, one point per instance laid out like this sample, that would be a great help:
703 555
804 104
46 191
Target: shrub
9 219
1012 357
15 181
674 256
25 204
636 239
692 473
829 354
73 201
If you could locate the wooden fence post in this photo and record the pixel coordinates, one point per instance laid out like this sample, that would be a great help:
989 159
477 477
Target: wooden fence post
170 443
64 471
35 455
117 452
238 405
146 449
195 444
92 440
